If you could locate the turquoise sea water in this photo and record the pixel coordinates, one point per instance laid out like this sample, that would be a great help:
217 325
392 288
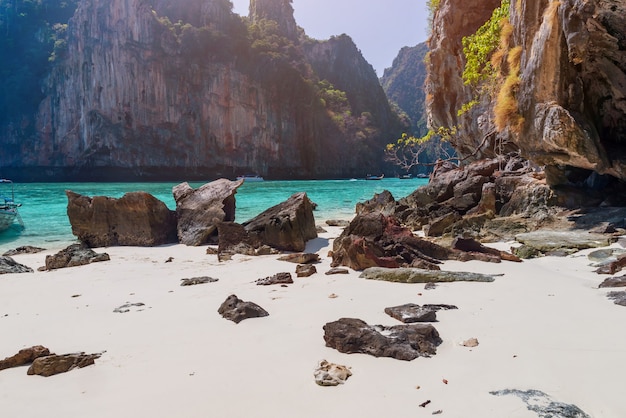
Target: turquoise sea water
46 224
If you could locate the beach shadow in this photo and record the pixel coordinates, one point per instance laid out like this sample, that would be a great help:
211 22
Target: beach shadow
316 244
588 218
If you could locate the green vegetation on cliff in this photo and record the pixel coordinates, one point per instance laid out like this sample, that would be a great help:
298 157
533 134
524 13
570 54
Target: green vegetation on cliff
32 36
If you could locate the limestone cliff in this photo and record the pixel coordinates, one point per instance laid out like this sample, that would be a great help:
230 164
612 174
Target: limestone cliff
567 83
138 96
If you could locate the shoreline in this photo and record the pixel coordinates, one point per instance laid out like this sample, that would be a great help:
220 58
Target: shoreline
542 326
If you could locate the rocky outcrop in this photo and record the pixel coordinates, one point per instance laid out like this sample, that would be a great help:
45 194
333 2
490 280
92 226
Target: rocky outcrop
567 102
137 219
73 256
137 96
416 275
402 342
24 356
8 266
287 226
236 310
54 364
200 210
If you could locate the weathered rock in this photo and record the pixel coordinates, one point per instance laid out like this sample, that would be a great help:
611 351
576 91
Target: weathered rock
614 282
402 342
287 226
411 312
137 306
26 249
197 280
55 364
24 356
337 270
337 222
137 218
438 226
473 246
605 254
278 278
382 203
74 255
234 239
618 297
543 405
305 270
546 241
614 266
9 266
200 210
377 240
331 374
413 275
236 310
301 258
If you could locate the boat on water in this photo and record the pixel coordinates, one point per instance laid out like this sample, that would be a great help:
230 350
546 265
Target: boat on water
405 176
250 177
371 177
8 207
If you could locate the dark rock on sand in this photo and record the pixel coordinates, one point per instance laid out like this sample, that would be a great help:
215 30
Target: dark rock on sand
24 356
337 270
543 405
234 239
9 266
618 297
137 218
342 223
26 249
237 310
197 280
414 275
402 342
287 226
614 282
305 270
74 255
301 258
137 306
55 364
278 278
614 266
411 312
376 240
200 210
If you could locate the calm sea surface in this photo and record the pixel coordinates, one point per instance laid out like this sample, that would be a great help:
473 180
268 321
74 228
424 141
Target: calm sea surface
46 224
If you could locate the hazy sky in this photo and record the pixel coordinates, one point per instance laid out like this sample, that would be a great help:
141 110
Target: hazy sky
379 28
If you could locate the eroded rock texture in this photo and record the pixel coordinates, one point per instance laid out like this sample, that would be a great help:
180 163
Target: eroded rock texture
137 218
571 93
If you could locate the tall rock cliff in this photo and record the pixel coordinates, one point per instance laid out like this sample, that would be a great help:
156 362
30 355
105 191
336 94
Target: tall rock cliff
404 84
148 90
559 96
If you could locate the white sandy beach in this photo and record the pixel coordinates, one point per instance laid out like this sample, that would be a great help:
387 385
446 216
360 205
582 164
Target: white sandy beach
544 325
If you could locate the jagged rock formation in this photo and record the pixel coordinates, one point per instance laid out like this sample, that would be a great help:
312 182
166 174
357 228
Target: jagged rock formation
570 94
139 94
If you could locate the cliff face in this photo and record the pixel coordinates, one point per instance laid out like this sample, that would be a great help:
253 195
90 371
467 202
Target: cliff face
403 84
140 97
570 96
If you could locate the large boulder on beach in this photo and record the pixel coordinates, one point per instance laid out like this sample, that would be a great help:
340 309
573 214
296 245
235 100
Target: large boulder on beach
8 265
200 210
373 239
236 310
54 364
24 356
287 226
402 342
135 219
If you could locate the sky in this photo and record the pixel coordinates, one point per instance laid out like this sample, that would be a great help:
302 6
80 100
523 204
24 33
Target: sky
379 28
